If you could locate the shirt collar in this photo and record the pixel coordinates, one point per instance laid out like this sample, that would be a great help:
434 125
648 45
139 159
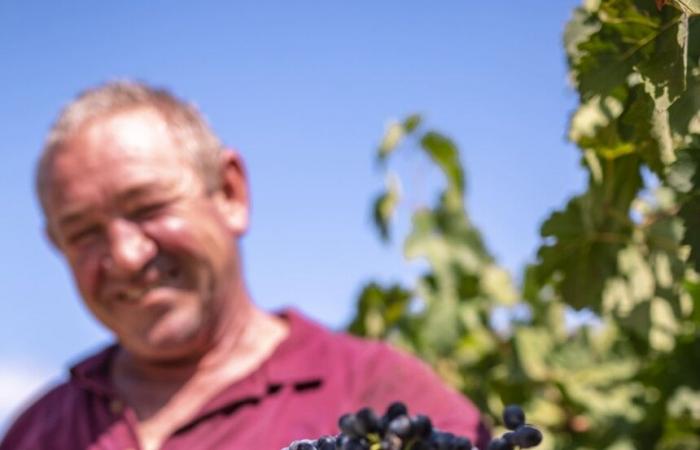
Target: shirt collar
291 362
93 373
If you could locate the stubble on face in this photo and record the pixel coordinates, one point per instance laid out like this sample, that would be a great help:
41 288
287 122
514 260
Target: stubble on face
101 179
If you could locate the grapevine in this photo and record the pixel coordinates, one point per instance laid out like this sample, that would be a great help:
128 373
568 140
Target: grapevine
623 254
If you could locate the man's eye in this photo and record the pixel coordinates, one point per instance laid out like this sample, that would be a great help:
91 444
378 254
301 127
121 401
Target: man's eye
83 235
147 211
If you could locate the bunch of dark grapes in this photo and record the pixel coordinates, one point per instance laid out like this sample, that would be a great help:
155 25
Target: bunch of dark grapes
396 430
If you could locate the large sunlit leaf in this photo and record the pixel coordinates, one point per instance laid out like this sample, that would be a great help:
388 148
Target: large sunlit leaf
533 345
684 114
684 176
583 241
664 71
691 7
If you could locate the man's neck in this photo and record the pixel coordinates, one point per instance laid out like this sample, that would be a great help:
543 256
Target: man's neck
245 340
167 396
236 352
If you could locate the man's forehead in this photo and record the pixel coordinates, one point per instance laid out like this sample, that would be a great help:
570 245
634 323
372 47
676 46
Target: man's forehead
127 153
135 129
121 138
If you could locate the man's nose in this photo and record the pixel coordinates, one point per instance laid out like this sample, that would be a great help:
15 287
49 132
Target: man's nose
130 249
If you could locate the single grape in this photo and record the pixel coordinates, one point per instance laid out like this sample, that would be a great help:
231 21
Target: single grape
391 442
341 440
302 444
422 426
509 437
442 440
462 443
422 444
513 417
368 421
527 436
401 427
395 410
499 444
349 425
354 444
325 443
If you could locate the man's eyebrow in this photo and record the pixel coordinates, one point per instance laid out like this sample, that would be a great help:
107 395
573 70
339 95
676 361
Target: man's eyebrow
71 217
139 190
124 197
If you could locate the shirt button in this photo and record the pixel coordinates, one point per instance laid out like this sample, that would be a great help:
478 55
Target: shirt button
116 406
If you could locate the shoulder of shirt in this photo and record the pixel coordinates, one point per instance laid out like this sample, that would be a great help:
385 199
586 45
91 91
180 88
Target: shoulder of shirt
51 410
38 424
377 373
306 329
354 350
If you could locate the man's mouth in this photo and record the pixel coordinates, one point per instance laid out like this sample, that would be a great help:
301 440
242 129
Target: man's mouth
133 293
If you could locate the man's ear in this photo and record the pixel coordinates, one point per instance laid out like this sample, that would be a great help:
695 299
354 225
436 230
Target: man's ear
232 198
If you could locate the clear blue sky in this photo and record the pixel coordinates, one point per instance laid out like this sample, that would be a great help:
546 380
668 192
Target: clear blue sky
303 89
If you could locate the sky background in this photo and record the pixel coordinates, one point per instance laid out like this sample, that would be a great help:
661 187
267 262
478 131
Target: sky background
304 90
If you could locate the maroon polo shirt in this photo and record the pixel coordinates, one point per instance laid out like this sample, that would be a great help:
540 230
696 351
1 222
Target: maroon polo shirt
312 378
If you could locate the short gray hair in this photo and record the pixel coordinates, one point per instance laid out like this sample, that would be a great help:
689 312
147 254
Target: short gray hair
189 129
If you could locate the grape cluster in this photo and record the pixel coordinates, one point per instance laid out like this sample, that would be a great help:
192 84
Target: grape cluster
396 430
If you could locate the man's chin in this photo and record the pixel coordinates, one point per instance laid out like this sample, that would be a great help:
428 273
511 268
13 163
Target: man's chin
168 344
167 353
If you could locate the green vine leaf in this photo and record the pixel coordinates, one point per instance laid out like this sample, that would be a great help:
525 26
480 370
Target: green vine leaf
444 153
395 133
384 207
380 309
411 123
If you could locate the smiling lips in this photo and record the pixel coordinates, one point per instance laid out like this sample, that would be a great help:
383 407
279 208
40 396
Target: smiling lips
134 290
131 295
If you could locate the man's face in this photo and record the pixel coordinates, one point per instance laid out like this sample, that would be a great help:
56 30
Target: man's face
152 252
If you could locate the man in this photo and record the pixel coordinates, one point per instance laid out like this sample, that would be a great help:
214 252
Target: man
147 208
